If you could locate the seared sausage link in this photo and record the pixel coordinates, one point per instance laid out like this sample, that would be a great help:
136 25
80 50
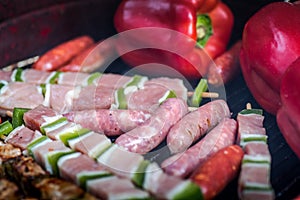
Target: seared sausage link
218 170
62 54
225 67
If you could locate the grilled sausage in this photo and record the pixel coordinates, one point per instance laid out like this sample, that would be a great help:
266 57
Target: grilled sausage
225 67
92 58
218 170
62 54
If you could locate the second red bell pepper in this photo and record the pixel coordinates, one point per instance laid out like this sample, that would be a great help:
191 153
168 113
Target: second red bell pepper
288 116
270 44
206 23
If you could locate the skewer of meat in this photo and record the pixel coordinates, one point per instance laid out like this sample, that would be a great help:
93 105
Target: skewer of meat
32 180
183 164
196 124
113 157
254 179
64 98
58 159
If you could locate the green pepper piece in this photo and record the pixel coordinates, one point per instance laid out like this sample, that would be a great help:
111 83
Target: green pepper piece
18 75
93 77
53 125
66 136
53 157
34 143
83 177
189 191
121 98
2 84
169 94
135 81
139 175
5 128
197 96
17 119
251 111
54 77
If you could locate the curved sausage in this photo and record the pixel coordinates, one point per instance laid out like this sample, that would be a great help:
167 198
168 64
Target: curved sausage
182 164
109 122
195 124
91 58
225 67
146 137
63 53
221 168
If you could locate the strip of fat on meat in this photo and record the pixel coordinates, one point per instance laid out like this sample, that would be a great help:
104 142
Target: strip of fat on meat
196 124
108 121
149 135
111 187
182 164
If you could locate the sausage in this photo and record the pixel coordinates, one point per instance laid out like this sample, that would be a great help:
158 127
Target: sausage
183 164
146 137
225 67
108 121
221 168
195 124
91 58
62 54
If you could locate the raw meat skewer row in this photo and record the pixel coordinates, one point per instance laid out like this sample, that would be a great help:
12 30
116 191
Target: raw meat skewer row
33 181
65 98
57 159
254 179
113 157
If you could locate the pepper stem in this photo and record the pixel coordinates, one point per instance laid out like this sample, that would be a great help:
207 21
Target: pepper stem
204 29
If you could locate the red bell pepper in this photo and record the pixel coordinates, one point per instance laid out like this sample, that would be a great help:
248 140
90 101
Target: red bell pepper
188 27
288 116
270 44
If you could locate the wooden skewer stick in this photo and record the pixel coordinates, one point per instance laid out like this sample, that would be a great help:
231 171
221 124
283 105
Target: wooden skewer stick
9 113
205 94
248 106
21 63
